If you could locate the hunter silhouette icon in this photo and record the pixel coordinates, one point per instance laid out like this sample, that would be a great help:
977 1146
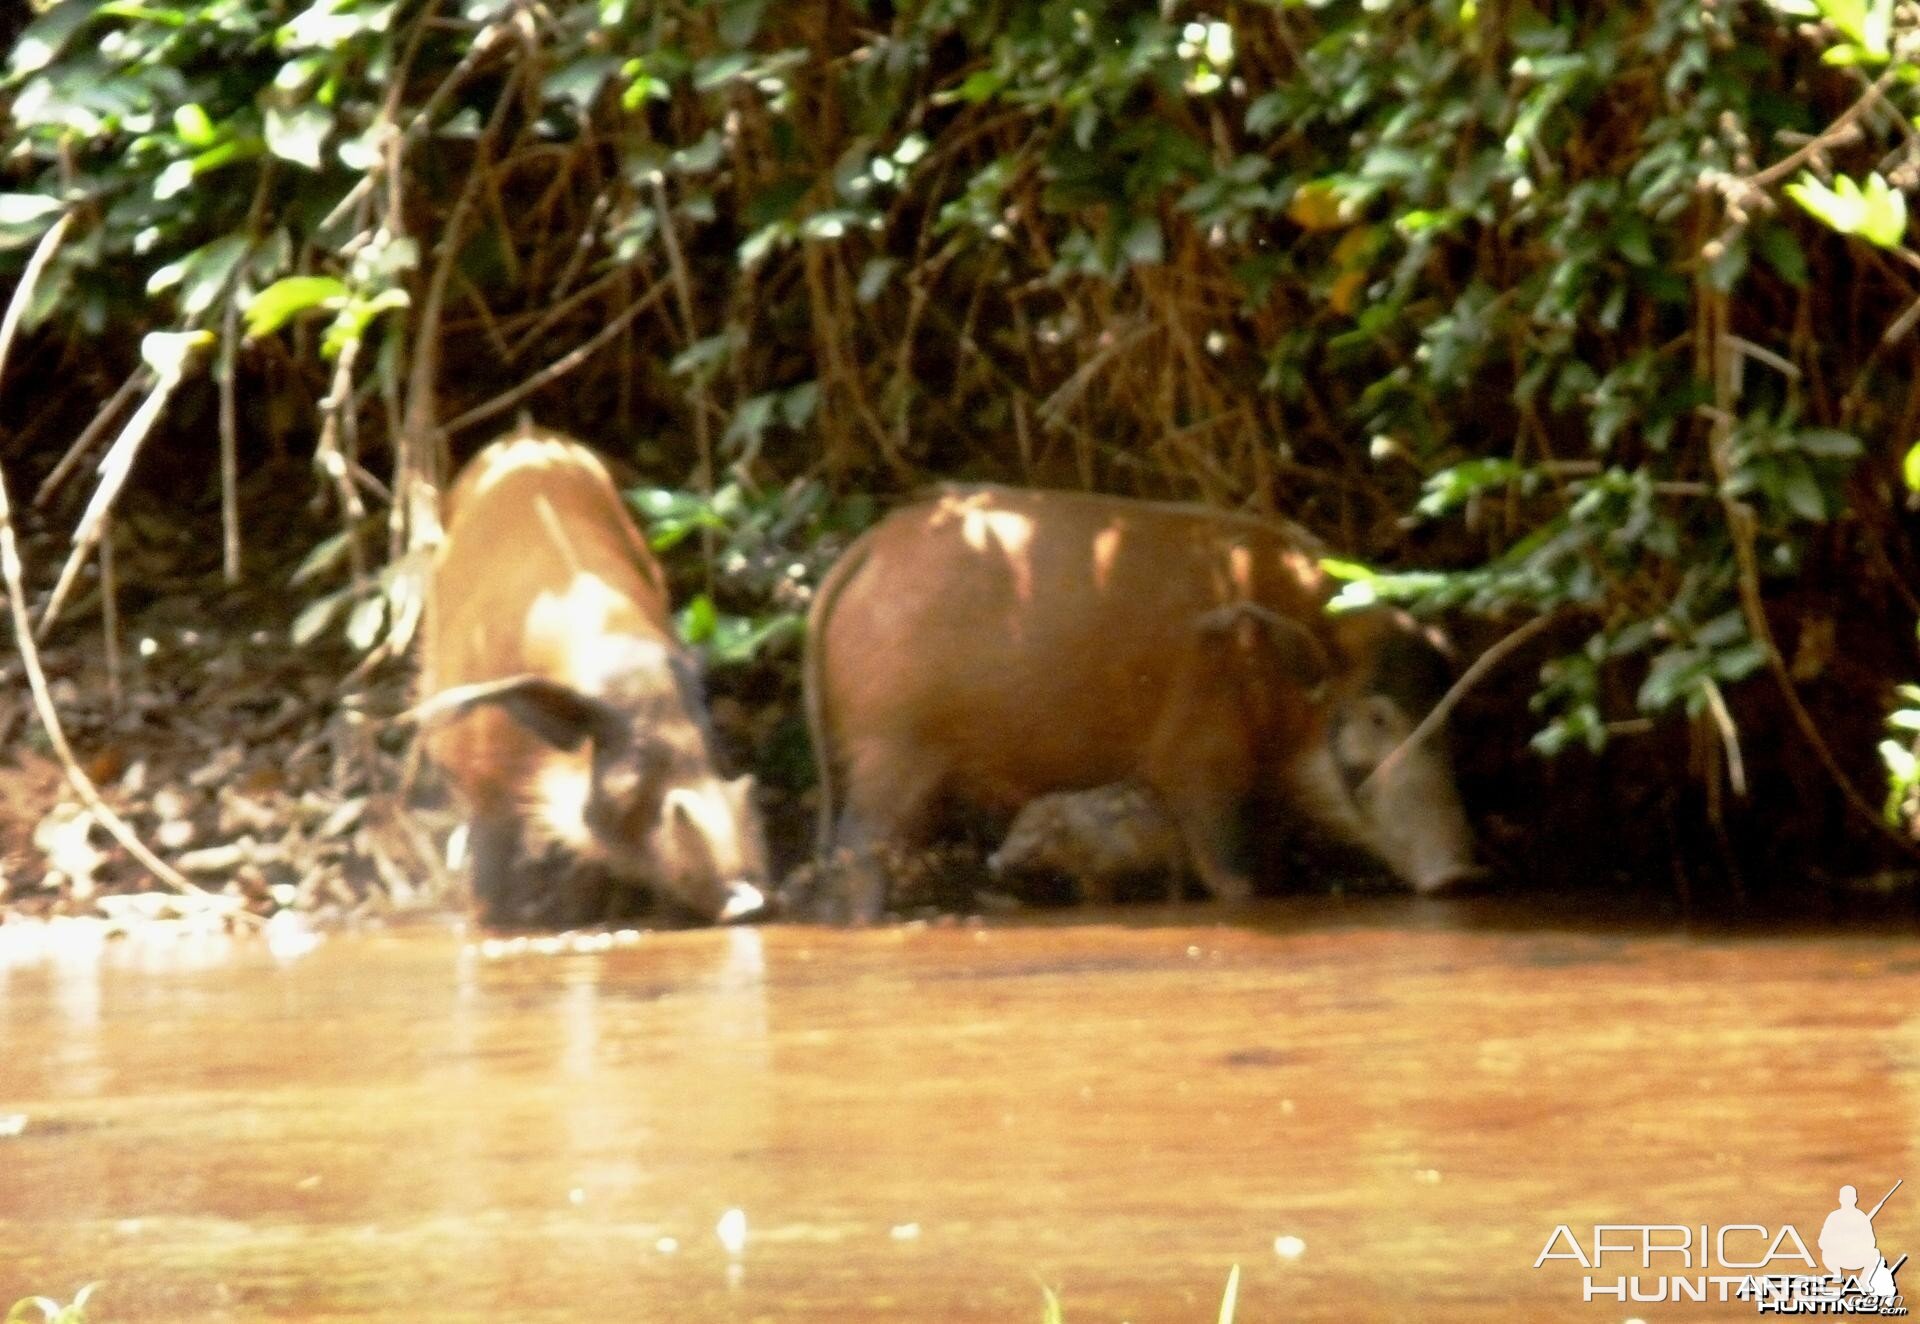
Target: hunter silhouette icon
1846 1238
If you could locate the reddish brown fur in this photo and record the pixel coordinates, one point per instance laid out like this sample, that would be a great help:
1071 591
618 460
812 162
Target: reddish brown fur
992 645
497 558
590 729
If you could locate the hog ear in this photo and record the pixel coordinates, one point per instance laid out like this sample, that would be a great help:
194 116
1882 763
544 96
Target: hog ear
1363 633
559 714
677 807
1301 655
683 825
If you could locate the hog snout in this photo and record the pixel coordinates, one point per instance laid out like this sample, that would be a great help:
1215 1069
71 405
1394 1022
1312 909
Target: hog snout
1405 794
744 901
1418 822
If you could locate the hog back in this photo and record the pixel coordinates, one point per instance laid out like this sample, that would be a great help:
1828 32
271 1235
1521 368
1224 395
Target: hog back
539 561
1026 642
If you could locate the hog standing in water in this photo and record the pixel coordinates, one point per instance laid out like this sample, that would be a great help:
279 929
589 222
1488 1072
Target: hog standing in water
992 645
558 700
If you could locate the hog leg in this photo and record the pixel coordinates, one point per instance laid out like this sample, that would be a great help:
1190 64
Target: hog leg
1210 827
890 796
1199 764
493 840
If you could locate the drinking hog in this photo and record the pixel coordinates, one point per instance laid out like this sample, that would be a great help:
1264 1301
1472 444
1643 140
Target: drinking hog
558 700
991 645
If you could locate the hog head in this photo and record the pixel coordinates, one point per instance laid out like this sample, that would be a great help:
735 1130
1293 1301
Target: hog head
1405 794
653 808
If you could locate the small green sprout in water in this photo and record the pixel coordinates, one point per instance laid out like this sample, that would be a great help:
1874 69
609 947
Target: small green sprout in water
50 1311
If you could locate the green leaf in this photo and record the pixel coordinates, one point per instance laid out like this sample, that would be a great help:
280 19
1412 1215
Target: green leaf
740 639
315 616
1351 571
740 19
201 274
176 179
1454 486
751 418
288 297
1876 212
836 223
1143 245
364 622
874 276
703 358
1877 28
698 619
24 217
1729 265
720 70
170 353
354 319
1802 493
191 125
1740 661
1883 218
1839 208
1781 249
329 24
1672 675
797 404
1900 761
47 35
1850 16
224 153
581 81
297 135
981 85
28 209
330 552
699 157
297 74
1829 443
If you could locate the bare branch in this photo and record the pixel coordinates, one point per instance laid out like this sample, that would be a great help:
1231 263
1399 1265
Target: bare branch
15 575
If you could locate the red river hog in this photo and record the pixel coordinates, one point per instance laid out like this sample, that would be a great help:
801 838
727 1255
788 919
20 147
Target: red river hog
558 700
988 646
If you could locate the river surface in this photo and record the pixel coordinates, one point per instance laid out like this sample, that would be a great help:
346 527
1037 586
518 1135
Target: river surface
1379 1109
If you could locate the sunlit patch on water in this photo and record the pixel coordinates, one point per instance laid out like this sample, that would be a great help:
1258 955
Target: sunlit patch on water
556 944
291 935
149 931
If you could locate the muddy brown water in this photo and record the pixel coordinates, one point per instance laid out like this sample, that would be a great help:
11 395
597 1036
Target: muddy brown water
1377 1109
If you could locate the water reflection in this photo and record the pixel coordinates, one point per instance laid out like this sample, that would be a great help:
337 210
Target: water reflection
1377 1111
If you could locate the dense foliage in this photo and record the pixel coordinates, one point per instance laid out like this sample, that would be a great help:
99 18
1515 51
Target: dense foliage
1544 299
